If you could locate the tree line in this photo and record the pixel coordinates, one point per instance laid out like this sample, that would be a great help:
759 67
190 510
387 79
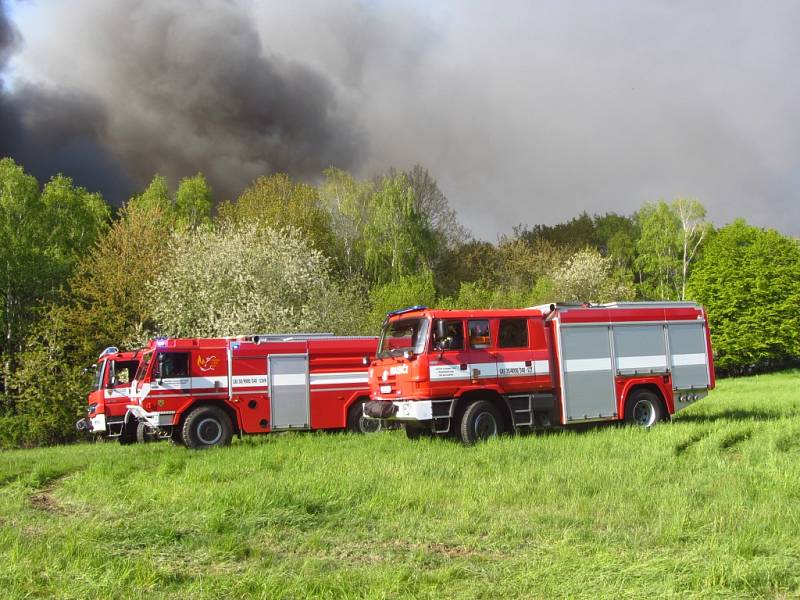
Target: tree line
77 275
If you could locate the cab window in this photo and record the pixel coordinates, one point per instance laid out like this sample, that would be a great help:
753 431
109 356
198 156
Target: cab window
448 335
123 371
173 364
513 333
479 333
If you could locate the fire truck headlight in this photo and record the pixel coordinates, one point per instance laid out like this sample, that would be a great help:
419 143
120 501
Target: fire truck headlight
92 408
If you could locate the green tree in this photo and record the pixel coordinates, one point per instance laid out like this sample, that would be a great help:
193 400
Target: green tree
398 242
749 281
155 195
109 300
347 201
43 237
671 236
407 290
193 202
277 202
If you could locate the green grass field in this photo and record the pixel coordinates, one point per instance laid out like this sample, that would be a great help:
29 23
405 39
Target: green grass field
705 506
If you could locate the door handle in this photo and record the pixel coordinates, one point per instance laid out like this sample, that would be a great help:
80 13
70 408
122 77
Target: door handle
528 363
463 366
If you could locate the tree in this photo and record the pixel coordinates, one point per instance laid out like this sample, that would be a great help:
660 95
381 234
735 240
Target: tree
671 235
408 290
155 195
588 277
347 201
277 202
193 202
749 281
397 240
43 237
249 279
109 290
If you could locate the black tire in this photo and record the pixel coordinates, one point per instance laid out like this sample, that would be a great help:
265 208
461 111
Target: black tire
643 409
206 427
145 433
128 434
480 421
358 423
415 432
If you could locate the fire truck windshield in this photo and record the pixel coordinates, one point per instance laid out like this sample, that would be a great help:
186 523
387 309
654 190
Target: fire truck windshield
402 335
98 375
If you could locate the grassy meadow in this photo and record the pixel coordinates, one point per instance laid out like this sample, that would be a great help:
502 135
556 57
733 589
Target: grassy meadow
705 506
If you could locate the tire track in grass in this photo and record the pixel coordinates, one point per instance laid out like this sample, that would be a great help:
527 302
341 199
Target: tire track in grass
731 441
690 442
44 484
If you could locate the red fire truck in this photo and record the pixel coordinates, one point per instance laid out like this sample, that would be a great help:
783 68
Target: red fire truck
478 373
201 392
110 395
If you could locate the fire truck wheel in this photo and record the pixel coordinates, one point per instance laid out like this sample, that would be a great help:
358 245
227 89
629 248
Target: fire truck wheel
643 409
206 427
480 421
358 423
145 433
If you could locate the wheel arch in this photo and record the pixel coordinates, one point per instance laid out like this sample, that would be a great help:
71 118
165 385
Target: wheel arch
484 394
227 408
631 391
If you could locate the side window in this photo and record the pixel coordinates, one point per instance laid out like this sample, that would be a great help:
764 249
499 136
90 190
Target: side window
479 334
513 333
452 335
174 364
125 371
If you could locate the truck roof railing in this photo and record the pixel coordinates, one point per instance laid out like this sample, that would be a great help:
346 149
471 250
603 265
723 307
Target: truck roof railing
280 337
546 308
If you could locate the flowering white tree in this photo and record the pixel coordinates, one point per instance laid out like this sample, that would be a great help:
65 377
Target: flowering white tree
250 279
588 277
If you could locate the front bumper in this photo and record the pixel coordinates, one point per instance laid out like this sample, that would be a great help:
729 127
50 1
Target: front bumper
95 424
399 410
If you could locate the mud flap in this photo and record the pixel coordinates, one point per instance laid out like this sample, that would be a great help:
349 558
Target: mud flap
379 410
129 429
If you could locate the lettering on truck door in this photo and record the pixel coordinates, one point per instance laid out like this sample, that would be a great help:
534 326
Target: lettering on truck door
449 363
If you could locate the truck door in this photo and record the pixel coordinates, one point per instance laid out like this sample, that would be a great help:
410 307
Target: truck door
688 355
588 379
449 362
482 359
288 391
171 375
515 359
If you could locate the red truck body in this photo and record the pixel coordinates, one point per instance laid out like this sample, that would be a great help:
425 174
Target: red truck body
203 391
475 373
108 401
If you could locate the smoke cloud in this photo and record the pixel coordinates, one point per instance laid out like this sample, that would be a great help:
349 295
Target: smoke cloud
524 113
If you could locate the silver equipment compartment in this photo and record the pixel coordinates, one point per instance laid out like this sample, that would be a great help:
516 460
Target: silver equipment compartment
588 379
288 391
640 349
688 354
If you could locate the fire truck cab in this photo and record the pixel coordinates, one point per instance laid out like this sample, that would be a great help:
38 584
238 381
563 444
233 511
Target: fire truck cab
479 373
201 392
110 395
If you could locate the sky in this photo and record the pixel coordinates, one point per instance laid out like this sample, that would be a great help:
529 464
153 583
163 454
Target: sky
524 112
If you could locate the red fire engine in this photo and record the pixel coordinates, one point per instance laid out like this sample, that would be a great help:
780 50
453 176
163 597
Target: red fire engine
110 395
478 373
201 392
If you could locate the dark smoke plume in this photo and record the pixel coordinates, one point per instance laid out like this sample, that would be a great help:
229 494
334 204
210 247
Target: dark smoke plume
162 87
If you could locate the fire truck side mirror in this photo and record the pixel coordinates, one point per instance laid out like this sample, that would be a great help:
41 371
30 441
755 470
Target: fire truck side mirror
161 359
